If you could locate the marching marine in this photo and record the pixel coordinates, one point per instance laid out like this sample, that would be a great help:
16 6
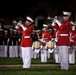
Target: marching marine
45 37
26 41
5 43
63 39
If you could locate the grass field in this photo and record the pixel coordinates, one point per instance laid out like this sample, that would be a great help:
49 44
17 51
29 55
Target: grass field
8 61
34 70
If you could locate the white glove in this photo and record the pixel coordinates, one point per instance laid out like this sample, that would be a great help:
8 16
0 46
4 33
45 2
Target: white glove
19 39
37 50
53 23
56 17
41 47
52 39
42 40
8 40
56 39
21 25
57 21
16 26
50 50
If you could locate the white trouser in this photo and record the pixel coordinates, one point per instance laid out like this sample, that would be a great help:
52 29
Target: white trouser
1 51
72 57
5 50
48 55
20 52
26 56
56 55
43 55
35 55
63 57
15 51
11 51
32 53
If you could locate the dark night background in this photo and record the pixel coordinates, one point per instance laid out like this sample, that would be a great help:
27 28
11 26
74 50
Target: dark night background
12 9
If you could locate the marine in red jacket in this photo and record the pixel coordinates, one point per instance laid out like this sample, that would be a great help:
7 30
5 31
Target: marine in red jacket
26 41
63 39
46 36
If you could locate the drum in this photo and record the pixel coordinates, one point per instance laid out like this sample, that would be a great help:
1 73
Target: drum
50 44
36 45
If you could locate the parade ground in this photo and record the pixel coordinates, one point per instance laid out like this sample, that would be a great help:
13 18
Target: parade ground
13 66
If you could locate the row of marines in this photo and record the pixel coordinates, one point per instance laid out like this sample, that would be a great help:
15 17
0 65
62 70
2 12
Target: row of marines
63 39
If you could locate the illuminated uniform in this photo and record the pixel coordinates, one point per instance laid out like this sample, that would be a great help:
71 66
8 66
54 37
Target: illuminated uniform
26 43
1 43
5 41
10 41
63 41
15 43
45 38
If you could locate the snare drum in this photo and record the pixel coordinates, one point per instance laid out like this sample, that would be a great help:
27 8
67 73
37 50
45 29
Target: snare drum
36 45
50 44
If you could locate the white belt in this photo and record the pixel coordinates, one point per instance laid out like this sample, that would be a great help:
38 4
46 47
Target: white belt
25 36
63 34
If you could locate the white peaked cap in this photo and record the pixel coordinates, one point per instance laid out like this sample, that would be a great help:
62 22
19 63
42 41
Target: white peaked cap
15 30
37 30
20 21
45 25
30 19
5 31
14 21
50 29
11 29
1 29
67 13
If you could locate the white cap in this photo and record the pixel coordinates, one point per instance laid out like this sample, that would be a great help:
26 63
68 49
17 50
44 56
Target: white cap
20 21
37 30
30 19
14 21
50 29
1 29
66 13
15 30
44 25
11 29
5 31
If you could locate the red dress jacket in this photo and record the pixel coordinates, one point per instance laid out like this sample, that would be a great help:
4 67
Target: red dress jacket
26 40
63 33
46 36
73 35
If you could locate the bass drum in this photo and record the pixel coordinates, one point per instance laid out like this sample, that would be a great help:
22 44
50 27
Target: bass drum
50 44
36 45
